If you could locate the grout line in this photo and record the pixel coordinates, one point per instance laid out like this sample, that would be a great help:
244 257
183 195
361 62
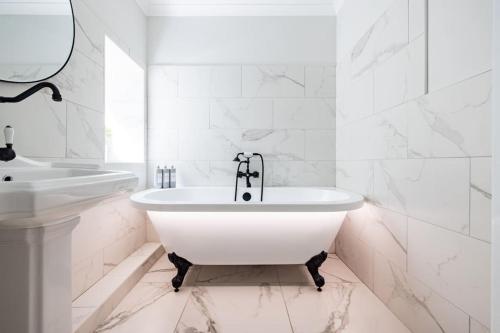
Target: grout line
286 307
426 52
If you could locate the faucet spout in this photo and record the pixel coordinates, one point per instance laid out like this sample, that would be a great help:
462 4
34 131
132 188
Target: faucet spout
56 94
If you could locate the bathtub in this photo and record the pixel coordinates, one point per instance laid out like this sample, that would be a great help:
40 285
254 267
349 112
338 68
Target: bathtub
207 227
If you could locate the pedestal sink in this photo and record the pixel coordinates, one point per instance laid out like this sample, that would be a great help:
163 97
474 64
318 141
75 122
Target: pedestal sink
39 207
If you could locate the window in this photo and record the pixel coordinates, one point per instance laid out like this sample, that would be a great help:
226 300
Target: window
124 102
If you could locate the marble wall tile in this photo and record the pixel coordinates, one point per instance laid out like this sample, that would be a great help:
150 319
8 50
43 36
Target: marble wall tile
86 273
39 125
241 113
476 327
355 253
383 135
456 265
176 113
163 144
89 38
355 101
320 81
459 40
401 77
383 230
356 176
480 198
82 82
384 39
433 190
320 145
85 138
209 81
273 81
163 82
452 122
420 308
304 113
303 173
417 18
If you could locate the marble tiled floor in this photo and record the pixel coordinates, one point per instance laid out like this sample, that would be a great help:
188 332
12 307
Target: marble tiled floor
257 299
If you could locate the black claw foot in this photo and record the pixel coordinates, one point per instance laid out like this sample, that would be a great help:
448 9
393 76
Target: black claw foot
313 266
182 266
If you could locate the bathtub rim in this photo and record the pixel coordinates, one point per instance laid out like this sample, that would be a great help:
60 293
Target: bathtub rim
354 201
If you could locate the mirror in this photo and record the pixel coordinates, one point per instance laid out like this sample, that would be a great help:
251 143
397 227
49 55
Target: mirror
36 38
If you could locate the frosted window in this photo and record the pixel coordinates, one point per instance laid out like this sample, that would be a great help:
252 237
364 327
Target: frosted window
124 91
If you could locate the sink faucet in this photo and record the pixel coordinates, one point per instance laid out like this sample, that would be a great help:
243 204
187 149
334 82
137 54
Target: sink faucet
247 174
56 94
7 153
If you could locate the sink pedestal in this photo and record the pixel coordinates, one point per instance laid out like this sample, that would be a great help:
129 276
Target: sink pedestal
35 278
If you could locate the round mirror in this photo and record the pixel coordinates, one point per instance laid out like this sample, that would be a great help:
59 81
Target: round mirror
37 39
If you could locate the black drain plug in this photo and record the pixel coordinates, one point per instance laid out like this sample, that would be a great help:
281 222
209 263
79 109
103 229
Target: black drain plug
247 196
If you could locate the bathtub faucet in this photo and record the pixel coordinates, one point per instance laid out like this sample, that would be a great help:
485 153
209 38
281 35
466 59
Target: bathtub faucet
247 174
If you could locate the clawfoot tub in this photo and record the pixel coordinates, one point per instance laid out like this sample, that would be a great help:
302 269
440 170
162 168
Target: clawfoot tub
204 226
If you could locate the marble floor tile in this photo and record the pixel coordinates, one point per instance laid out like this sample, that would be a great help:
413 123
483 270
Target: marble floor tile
235 309
341 307
264 299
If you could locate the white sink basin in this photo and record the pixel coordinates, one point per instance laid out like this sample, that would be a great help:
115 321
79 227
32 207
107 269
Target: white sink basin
43 195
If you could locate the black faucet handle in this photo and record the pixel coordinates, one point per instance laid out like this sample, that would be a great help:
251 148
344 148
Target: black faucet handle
255 174
9 136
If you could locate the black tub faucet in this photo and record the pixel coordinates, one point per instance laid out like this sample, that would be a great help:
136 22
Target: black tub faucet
247 174
7 153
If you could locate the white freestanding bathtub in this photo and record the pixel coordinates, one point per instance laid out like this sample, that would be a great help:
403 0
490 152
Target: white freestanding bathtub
205 226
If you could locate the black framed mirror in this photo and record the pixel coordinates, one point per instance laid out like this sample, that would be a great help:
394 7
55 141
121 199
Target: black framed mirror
36 37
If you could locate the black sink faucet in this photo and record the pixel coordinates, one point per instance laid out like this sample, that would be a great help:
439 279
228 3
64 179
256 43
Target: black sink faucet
247 174
56 94
7 153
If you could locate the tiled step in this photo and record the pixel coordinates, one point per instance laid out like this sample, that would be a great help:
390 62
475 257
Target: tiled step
91 308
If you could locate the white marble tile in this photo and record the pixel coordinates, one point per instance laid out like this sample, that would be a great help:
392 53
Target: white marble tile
177 113
303 173
85 132
333 270
123 247
235 309
320 81
383 230
304 113
420 308
417 18
205 145
354 97
456 265
163 144
82 82
148 308
163 82
89 37
39 124
476 327
433 190
162 272
241 113
221 275
273 81
452 122
384 39
459 40
320 145
356 176
401 77
341 307
356 254
380 136
85 273
209 81
480 198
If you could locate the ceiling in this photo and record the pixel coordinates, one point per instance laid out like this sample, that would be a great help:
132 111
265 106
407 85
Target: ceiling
240 7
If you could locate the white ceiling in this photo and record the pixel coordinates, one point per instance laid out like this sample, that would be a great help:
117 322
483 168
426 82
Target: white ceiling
240 7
